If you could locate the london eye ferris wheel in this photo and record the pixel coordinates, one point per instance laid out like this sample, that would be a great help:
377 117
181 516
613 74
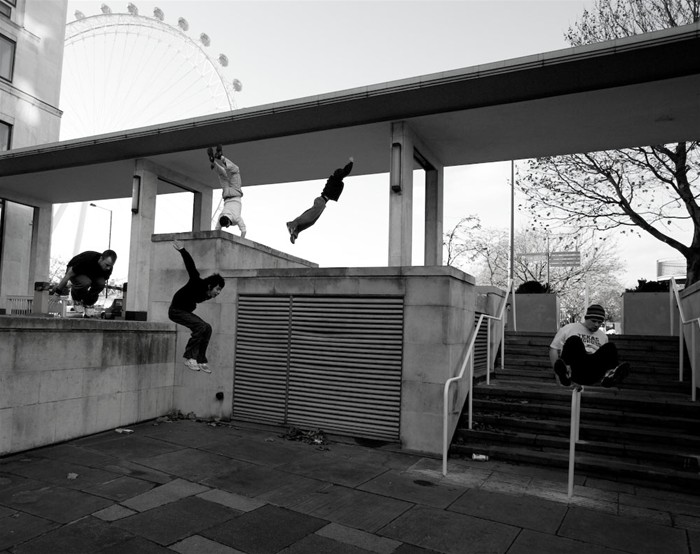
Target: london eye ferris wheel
125 70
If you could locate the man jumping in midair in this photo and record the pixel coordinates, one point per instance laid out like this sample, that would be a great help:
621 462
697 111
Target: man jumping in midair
332 190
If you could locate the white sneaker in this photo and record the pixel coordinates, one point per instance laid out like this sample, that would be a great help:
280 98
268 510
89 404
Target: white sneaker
192 364
205 368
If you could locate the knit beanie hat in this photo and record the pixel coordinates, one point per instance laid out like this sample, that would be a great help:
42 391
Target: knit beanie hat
595 311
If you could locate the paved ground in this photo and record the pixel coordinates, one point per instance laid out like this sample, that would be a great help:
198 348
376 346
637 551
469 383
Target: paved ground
191 487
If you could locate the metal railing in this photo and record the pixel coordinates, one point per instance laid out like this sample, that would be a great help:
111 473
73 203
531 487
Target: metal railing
696 321
468 363
574 433
19 305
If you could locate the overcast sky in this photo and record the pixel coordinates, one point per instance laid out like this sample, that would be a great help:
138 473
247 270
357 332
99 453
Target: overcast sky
282 50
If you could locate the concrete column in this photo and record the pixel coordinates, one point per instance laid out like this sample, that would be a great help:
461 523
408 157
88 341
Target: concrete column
433 216
401 195
140 255
203 202
39 265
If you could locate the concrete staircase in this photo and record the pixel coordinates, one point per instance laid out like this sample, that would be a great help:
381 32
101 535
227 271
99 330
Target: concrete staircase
645 433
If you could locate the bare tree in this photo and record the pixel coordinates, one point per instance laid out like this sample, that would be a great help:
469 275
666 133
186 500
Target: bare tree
646 189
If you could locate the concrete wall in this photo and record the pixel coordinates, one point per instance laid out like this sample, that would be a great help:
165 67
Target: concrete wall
66 378
439 305
535 313
690 299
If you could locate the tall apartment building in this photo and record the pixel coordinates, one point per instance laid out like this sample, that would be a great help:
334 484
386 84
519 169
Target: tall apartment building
31 59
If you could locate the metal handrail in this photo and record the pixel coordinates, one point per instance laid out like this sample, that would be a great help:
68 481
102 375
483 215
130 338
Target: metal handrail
684 321
469 361
574 433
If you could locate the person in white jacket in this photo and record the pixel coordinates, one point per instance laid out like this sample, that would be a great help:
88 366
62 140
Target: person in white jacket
230 181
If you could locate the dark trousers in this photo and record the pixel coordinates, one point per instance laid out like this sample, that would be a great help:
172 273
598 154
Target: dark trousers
588 369
310 216
201 334
86 290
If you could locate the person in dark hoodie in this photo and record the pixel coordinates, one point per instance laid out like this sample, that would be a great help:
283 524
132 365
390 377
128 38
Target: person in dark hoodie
332 190
185 301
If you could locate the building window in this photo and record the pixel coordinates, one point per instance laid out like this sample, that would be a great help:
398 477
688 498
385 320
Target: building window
11 2
7 58
5 136
5 10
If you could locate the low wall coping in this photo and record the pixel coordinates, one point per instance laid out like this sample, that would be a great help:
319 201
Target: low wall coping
49 323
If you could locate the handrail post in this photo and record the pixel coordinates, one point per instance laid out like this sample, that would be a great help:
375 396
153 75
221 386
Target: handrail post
574 434
693 384
488 351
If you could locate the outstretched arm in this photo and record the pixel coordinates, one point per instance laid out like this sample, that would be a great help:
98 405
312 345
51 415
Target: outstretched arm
189 262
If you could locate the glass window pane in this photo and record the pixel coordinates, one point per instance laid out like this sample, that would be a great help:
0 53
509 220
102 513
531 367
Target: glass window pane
5 136
7 57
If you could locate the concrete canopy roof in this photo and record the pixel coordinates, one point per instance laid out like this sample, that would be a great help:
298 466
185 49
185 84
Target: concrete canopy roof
629 92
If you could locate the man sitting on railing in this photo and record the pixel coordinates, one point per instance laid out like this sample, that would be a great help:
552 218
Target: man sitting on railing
580 353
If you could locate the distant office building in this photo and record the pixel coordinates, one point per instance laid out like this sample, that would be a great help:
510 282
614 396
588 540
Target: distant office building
31 58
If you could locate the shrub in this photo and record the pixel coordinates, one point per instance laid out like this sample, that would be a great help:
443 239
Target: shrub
533 287
650 286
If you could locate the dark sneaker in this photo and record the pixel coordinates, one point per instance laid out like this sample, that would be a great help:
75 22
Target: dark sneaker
219 151
615 376
562 373
292 234
210 153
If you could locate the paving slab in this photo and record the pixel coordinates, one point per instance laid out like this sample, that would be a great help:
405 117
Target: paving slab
64 474
328 467
198 545
121 488
274 452
361 539
294 490
527 512
193 434
137 471
130 446
137 545
70 453
412 549
354 508
164 494
232 500
174 521
190 464
249 479
406 486
86 535
529 542
450 532
322 545
113 513
629 535
56 503
694 541
266 530
20 527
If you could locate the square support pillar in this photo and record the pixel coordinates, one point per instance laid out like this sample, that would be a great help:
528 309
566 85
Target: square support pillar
433 216
143 217
203 202
401 196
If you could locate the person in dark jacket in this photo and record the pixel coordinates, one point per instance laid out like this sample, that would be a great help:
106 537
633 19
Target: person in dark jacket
332 190
185 301
87 272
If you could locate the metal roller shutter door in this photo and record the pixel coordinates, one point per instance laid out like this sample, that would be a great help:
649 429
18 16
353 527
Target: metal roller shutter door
337 366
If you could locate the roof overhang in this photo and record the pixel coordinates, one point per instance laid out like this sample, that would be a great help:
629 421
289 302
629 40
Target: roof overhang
629 92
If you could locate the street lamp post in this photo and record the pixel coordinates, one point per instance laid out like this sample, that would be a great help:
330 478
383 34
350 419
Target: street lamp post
109 242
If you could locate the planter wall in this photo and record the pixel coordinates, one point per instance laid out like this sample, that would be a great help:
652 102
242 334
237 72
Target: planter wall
535 313
648 313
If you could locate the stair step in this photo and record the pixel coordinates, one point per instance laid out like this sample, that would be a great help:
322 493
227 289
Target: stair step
478 439
603 467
